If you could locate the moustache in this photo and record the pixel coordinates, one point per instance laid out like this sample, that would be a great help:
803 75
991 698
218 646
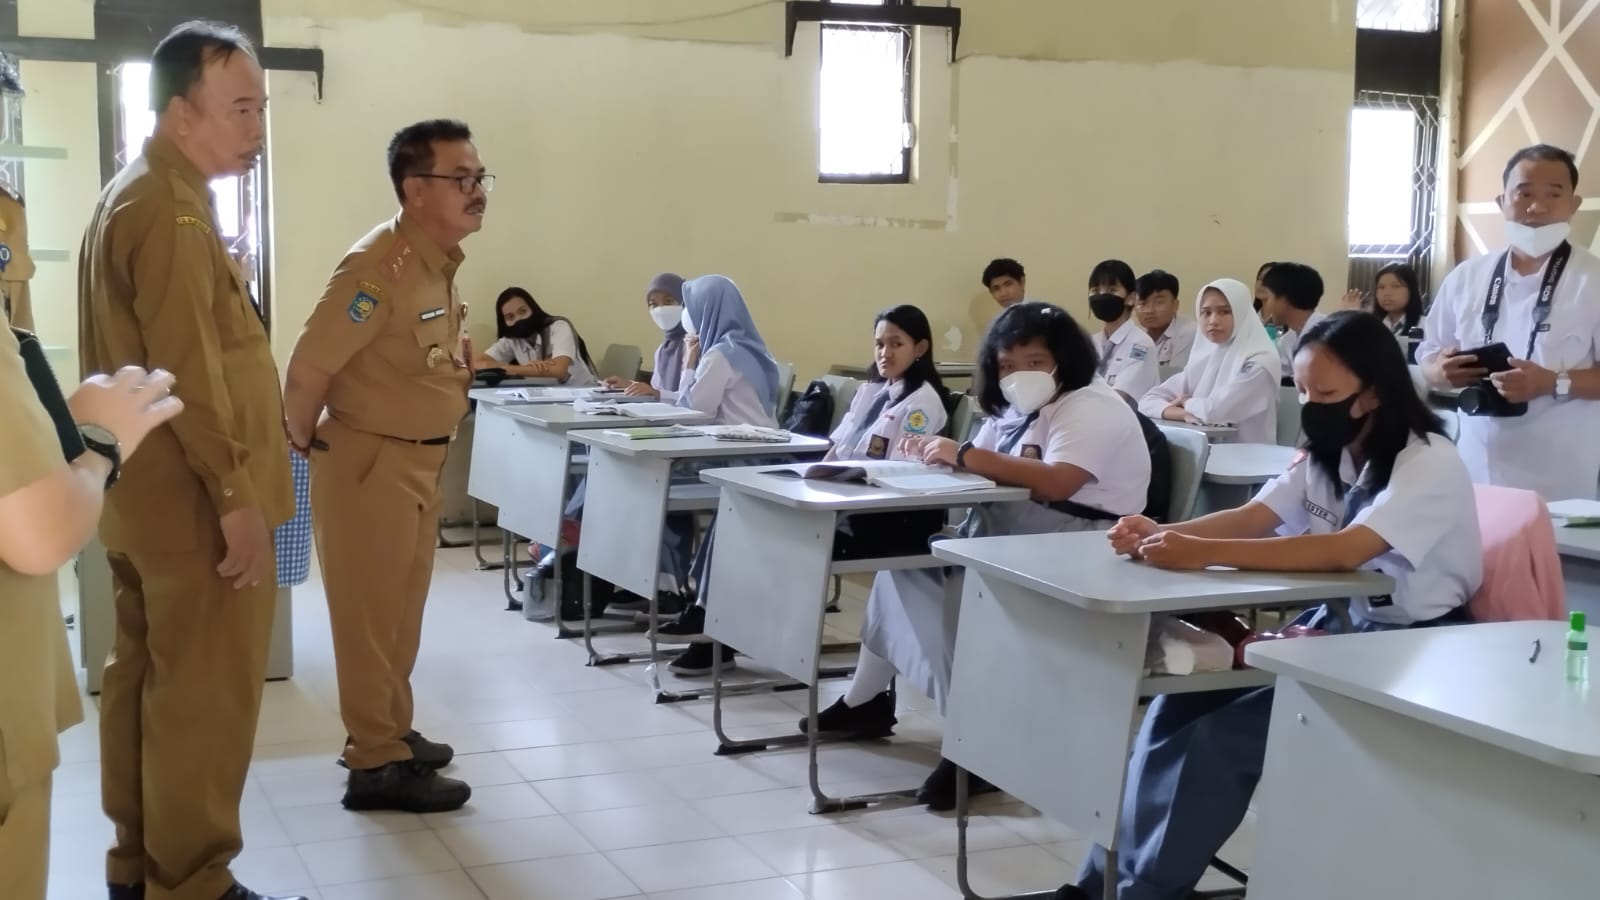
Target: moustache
473 208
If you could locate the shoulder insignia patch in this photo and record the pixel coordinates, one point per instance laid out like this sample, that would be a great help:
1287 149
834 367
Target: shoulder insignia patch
394 265
1138 352
194 222
362 307
917 422
369 287
5 256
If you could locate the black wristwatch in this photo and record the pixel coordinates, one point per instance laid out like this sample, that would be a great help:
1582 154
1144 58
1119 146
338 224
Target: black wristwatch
101 441
961 455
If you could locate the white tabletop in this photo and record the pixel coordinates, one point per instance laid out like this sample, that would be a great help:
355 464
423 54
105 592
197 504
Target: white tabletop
1581 543
799 493
501 396
1080 568
1474 680
697 446
1247 463
1214 432
560 417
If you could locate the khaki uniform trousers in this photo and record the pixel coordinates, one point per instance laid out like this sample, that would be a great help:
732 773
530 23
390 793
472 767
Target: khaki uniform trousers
375 518
178 710
25 841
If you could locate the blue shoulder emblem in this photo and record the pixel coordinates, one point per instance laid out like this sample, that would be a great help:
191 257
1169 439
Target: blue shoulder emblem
917 422
362 307
1138 352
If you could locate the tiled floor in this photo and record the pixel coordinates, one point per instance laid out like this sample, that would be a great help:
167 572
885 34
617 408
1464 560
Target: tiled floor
583 788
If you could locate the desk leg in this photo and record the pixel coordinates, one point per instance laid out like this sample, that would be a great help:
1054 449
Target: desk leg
484 565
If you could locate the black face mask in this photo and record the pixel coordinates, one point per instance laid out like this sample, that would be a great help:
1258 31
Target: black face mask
523 329
1329 427
1107 307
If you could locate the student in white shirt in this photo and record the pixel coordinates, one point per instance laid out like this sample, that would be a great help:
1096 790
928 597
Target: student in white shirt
727 371
1554 448
1378 488
1127 354
1006 281
1156 310
1233 376
1056 429
1292 291
534 344
664 299
1396 299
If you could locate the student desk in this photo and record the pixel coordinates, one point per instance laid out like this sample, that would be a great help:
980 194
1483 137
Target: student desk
521 463
502 396
1217 434
459 508
1234 471
1580 567
630 492
770 579
1434 762
1050 665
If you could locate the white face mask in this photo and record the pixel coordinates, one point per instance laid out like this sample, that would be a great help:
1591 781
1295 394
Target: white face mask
667 317
688 325
1537 242
1028 392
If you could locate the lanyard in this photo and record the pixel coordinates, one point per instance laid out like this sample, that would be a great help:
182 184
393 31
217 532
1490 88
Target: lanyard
1541 309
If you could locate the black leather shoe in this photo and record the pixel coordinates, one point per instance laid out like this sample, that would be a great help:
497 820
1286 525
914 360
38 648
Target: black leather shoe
1071 892
240 892
125 891
939 791
872 719
432 754
407 786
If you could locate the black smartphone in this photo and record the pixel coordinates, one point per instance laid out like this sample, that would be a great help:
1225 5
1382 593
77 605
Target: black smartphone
1495 357
49 393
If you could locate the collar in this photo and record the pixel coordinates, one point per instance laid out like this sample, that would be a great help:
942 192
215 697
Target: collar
163 153
432 255
1121 334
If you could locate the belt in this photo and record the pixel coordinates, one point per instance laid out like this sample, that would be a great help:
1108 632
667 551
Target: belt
319 444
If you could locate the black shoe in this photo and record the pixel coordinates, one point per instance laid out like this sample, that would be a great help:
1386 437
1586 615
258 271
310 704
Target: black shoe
432 754
689 629
872 719
126 891
698 660
240 892
1071 892
407 786
938 793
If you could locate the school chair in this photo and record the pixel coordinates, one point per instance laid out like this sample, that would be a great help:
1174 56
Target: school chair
620 361
1521 567
1451 419
843 390
963 415
1189 450
785 387
1288 416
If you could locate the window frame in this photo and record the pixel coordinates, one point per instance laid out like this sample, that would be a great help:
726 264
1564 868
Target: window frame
908 141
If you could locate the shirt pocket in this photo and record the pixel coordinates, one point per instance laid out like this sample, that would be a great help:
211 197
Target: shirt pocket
433 344
1570 351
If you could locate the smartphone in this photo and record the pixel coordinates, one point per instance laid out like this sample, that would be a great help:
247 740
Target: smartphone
1495 357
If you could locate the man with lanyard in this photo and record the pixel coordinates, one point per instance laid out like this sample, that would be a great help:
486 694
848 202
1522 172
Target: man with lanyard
1539 299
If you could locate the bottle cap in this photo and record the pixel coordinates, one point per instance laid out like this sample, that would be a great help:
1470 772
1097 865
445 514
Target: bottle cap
1578 620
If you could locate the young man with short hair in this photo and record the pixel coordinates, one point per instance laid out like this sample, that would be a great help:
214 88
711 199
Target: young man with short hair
1127 355
1156 310
1292 291
1005 281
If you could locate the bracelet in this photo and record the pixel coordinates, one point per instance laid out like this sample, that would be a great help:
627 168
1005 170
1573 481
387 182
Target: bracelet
961 455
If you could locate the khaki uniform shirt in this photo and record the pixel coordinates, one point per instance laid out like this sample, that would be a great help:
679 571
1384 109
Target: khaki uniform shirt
157 288
38 690
388 330
16 263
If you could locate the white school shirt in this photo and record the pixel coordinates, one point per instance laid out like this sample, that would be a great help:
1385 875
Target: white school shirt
1427 515
922 413
1128 359
1176 343
717 389
1091 428
1289 342
563 342
1248 401
1555 448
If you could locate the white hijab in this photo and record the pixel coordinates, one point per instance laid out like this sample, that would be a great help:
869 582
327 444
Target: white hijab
1213 363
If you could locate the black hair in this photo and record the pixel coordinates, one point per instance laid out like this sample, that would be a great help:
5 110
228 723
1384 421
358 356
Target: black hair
1113 271
1542 153
1002 268
914 322
10 75
1074 353
1295 282
542 320
1370 352
179 61
1265 268
411 149
1155 281
1408 277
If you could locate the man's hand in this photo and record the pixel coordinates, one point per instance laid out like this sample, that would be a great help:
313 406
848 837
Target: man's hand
249 558
1454 368
1526 381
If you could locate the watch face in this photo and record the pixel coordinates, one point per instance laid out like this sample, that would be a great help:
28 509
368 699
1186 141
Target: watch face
98 435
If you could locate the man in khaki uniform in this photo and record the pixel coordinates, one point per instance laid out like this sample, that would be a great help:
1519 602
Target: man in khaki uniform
188 529
376 387
16 264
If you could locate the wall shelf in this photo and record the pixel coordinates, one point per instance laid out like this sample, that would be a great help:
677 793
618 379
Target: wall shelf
24 151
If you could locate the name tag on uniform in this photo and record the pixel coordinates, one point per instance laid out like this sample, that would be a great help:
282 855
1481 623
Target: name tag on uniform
1322 512
1031 451
431 314
1544 327
1381 601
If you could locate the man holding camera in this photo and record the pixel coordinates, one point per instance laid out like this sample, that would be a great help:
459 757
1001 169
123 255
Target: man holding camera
1519 332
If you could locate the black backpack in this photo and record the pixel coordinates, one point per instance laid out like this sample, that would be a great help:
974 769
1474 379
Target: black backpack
1158 496
812 412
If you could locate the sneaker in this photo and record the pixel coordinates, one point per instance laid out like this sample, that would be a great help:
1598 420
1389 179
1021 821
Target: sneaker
698 660
406 786
432 754
872 719
689 629
938 793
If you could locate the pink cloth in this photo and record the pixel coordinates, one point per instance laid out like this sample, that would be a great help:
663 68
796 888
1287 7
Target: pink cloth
1521 567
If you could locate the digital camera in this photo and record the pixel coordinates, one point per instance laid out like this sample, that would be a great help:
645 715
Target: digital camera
1483 399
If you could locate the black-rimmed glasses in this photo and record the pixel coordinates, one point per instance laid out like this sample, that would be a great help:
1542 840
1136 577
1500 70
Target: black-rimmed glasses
466 182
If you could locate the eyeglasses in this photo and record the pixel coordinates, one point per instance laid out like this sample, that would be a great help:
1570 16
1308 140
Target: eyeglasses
465 182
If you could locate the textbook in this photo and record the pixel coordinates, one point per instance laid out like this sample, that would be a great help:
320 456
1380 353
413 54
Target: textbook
740 433
653 434
637 410
911 477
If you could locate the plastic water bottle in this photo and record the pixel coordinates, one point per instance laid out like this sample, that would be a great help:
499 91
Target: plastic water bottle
1577 649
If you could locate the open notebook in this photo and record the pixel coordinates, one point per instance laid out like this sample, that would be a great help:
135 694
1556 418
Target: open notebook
1576 513
557 394
910 477
665 411
737 433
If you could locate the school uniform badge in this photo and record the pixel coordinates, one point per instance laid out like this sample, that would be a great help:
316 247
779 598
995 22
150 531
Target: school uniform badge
5 256
1031 451
878 447
362 307
1138 352
917 422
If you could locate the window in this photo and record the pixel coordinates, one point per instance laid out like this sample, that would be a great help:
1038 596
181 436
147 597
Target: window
1398 15
238 199
1383 149
865 107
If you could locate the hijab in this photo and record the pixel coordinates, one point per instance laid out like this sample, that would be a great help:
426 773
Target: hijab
669 356
1213 363
723 320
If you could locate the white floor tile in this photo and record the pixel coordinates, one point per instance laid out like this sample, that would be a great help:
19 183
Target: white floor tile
765 889
545 763
312 787
494 803
766 811
923 835
535 733
590 877
268 870
592 792
643 826
1013 870
671 867
717 778
483 770
375 858
902 879
820 848
332 822
437 886
516 840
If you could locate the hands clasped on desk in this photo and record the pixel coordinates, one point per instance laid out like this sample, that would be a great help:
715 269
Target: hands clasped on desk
1141 538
